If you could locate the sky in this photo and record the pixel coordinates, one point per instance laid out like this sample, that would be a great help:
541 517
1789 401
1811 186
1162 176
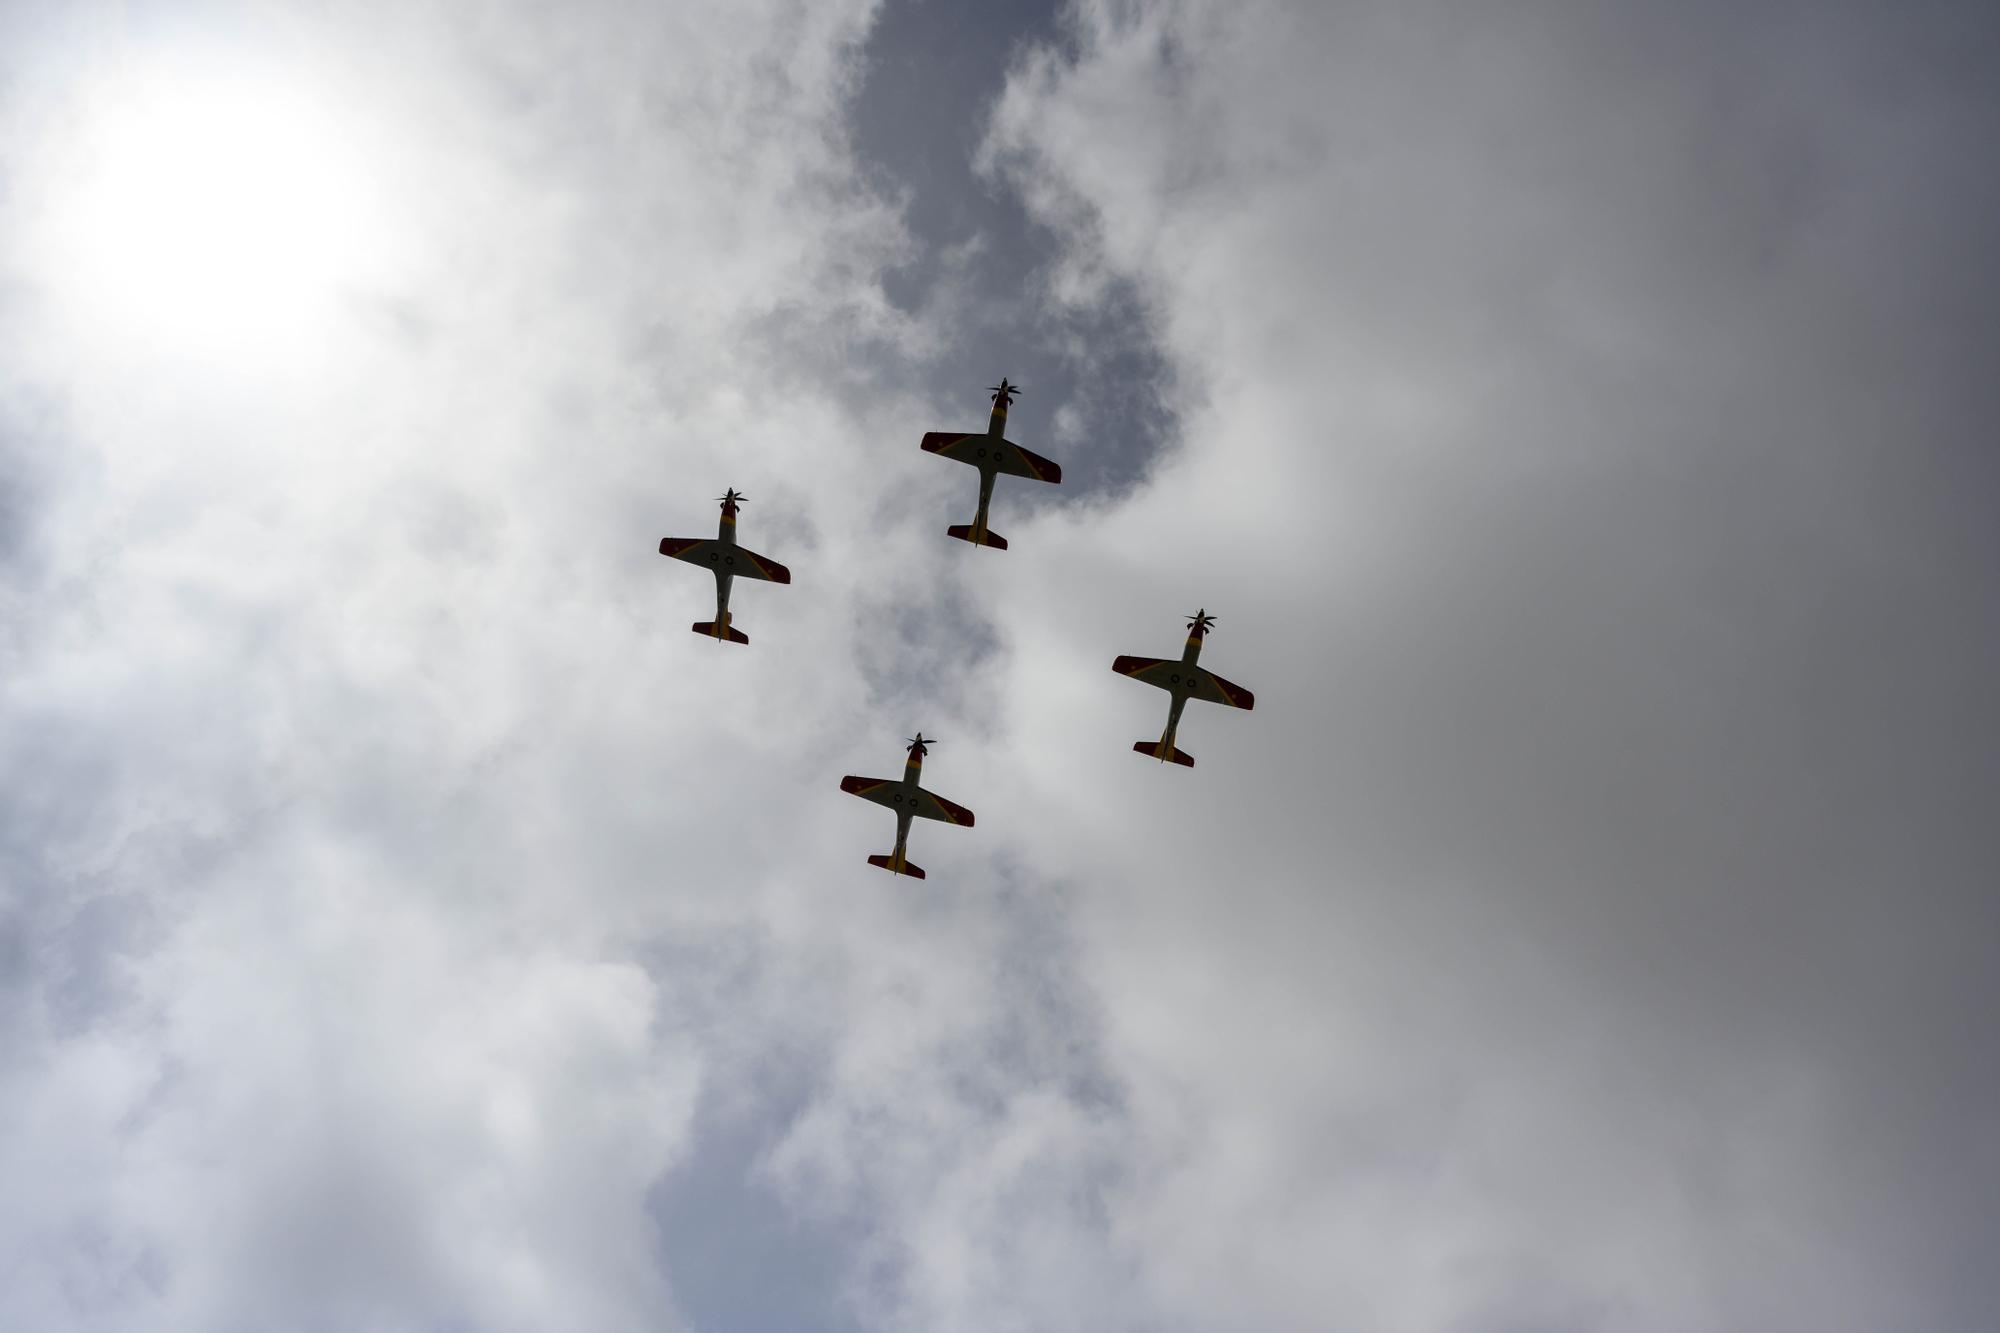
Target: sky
1578 419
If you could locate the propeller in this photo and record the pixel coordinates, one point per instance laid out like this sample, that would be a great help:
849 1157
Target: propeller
1200 622
1003 392
730 499
921 744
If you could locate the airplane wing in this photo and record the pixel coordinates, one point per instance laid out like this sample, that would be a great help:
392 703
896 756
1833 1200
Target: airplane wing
1019 462
951 443
930 805
879 790
923 804
1153 670
1209 686
751 565
724 559
982 450
694 550
1175 675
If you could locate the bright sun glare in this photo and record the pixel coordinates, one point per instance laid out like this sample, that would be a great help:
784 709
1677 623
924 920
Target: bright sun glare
212 215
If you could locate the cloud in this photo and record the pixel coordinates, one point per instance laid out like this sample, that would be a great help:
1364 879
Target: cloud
1580 931
405 922
364 755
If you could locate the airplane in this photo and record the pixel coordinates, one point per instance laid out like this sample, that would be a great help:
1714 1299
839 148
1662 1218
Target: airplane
907 799
1184 681
990 453
725 559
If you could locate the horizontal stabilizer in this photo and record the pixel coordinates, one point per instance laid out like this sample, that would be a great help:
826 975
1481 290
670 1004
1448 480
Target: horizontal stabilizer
1164 752
729 632
963 532
890 864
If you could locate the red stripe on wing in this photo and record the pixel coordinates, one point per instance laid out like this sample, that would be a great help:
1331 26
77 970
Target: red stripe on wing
959 814
1235 695
1044 469
1128 665
770 569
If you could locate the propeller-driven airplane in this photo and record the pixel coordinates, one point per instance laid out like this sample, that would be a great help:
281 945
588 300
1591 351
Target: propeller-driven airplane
991 453
907 799
725 559
1184 681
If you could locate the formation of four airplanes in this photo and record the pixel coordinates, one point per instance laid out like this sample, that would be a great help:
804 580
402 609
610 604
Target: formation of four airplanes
992 453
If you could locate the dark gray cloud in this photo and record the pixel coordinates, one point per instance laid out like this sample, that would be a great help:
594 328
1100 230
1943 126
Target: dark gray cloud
1593 484
980 265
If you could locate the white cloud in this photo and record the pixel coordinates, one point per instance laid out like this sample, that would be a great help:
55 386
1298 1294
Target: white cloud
366 757
1580 933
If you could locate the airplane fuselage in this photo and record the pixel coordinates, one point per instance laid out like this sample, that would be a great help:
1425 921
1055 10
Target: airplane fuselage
991 452
902 799
724 558
1182 680
1180 693
725 533
996 429
908 800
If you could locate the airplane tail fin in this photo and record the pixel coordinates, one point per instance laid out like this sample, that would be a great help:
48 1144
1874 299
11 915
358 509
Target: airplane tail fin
963 531
1162 751
888 863
729 632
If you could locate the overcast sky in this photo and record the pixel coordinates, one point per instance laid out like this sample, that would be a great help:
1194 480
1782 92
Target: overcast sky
1580 419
